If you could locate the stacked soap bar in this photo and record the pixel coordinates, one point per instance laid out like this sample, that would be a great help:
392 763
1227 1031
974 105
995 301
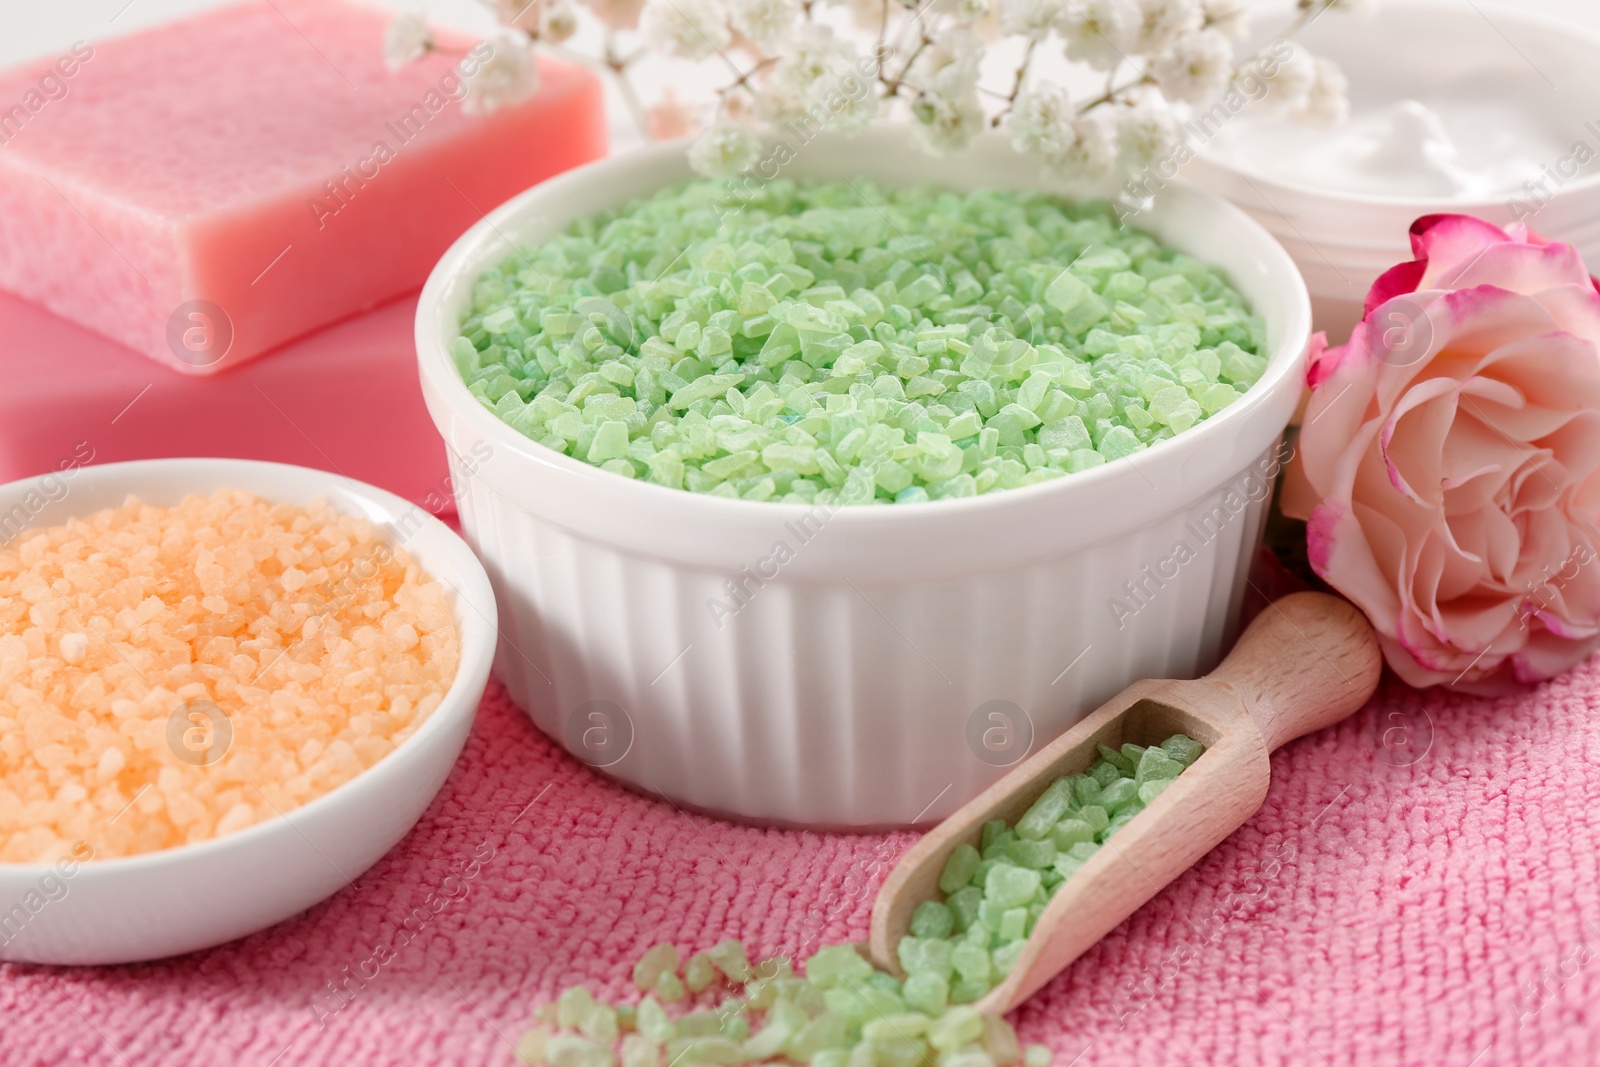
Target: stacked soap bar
344 399
845 343
207 190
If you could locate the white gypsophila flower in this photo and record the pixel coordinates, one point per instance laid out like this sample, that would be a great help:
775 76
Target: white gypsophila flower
1041 122
951 64
1286 82
692 29
1145 135
406 39
517 14
823 79
947 124
617 14
971 10
1163 23
767 23
1196 69
1098 32
1090 155
557 22
851 103
1327 101
508 76
724 151
1031 19
1228 17
813 53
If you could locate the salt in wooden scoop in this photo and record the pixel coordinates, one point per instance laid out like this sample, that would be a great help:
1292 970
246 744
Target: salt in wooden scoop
1306 662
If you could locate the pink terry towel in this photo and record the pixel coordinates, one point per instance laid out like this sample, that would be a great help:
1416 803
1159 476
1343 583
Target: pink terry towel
1419 889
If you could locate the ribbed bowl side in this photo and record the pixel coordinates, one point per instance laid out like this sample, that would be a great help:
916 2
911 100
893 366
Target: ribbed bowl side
854 703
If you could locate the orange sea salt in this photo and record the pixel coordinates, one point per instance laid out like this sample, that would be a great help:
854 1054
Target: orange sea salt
298 629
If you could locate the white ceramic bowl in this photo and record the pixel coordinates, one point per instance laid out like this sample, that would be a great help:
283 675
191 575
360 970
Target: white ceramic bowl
194 896
1343 240
906 653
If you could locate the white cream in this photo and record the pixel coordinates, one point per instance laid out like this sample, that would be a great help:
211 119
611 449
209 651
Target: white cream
1465 142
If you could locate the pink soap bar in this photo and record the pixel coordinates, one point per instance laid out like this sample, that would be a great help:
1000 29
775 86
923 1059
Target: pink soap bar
207 190
345 399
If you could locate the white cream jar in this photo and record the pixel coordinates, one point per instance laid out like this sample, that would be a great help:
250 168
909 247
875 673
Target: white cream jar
1493 113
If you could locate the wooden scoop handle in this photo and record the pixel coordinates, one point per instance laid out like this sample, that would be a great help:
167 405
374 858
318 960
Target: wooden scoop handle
1306 662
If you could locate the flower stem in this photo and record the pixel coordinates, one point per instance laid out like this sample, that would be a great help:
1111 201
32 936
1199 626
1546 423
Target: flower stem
1016 85
743 80
892 86
1112 93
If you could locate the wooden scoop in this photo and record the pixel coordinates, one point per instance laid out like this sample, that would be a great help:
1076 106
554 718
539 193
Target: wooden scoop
1306 662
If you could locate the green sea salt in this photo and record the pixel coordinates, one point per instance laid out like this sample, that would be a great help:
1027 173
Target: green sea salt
849 343
844 1012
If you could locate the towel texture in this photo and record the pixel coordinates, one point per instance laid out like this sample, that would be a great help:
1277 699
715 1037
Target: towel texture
1419 888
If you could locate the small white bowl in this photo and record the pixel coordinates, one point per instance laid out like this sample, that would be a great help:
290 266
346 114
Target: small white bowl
905 654
191 897
1342 240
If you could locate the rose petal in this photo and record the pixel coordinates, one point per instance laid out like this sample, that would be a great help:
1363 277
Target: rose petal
1398 280
1447 243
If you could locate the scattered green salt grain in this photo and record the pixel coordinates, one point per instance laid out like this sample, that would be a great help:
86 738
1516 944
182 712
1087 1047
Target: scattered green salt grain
699 972
844 1012
848 343
669 987
730 959
656 961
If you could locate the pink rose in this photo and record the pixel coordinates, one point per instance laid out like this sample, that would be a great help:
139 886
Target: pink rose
1449 458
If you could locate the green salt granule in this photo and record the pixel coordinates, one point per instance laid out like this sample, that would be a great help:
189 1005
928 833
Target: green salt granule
1182 749
837 965
600 1024
656 961
729 958
573 1007
932 919
637 1051
698 1024
1070 831
699 972
669 987
1007 886
847 343
1118 795
1000 1041
959 868
652 1020
928 993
